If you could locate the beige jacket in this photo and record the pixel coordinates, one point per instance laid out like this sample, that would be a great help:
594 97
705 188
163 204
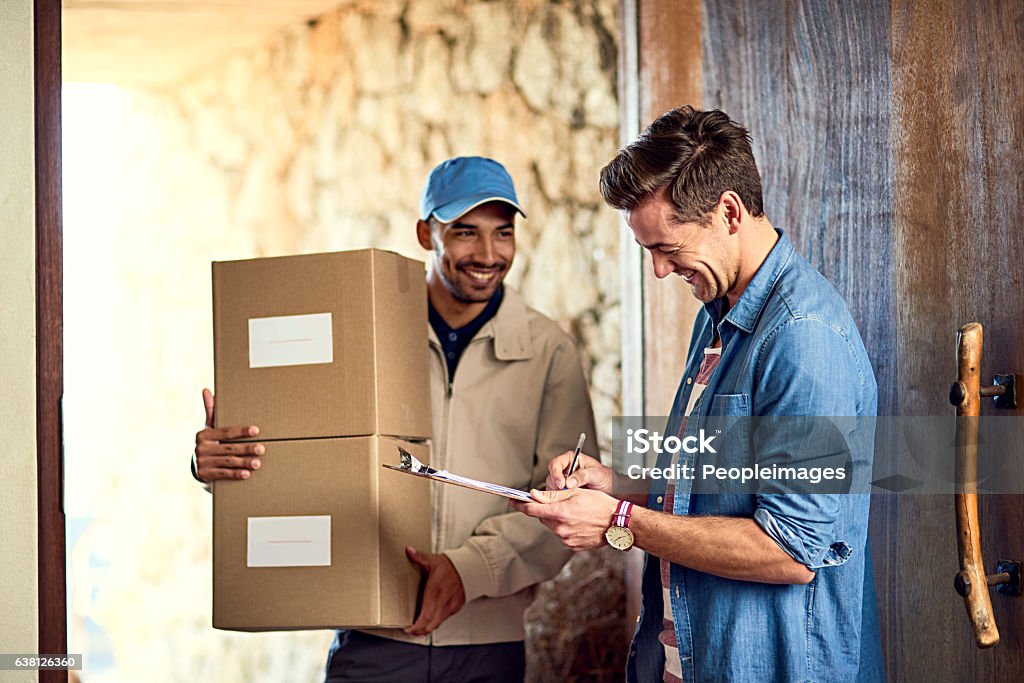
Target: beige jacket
519 398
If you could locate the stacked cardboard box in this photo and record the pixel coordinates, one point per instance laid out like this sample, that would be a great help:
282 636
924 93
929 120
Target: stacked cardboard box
327 355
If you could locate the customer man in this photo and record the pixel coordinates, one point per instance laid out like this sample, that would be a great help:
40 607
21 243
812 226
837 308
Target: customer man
508 394
766 584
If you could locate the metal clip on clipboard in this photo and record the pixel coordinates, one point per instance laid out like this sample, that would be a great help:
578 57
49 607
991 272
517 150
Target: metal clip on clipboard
410 465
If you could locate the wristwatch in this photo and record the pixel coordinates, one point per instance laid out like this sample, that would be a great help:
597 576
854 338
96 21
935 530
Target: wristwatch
618 534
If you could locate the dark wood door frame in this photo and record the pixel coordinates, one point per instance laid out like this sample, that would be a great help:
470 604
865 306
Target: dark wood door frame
49 335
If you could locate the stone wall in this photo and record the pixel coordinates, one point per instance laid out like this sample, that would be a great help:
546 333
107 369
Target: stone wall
319 141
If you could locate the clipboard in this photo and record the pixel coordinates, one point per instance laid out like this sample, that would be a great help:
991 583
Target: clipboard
410 465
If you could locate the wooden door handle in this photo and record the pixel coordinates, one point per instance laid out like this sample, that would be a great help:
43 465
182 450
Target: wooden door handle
970 581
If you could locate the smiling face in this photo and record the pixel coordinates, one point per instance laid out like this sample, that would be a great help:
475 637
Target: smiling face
707 257
473 253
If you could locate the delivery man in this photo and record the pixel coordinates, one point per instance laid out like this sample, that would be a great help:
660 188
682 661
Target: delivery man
508 394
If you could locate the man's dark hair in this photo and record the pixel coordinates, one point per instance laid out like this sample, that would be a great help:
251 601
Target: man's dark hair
696 155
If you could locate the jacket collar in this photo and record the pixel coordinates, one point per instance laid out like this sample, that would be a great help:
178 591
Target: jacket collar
747 310
509 328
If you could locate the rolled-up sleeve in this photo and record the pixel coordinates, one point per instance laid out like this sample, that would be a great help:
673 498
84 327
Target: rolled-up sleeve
802 526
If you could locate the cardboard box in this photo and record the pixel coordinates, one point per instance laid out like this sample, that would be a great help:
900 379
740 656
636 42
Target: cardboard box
329 507
322 345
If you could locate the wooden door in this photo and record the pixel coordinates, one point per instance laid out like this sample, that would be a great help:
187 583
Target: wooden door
890 138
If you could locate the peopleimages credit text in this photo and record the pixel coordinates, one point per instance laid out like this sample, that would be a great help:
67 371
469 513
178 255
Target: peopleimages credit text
643 441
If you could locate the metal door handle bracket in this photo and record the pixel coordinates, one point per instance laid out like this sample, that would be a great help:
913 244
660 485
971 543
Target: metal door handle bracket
1003 392
1006 579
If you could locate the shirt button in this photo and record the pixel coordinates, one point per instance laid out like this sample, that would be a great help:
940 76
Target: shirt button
451 354
452 336
677 591
661 499
689 380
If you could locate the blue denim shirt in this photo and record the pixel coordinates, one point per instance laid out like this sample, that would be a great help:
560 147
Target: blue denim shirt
789 348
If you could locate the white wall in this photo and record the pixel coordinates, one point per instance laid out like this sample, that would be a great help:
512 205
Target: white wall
18 536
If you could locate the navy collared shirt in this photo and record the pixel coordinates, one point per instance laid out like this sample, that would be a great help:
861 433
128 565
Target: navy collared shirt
454 341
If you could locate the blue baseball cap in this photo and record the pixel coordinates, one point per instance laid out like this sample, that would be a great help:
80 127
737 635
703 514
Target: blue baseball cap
459 185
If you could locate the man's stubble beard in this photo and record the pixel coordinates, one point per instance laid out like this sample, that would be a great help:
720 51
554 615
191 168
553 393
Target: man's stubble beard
461 296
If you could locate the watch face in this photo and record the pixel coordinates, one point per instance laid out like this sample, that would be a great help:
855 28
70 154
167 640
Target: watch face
619 537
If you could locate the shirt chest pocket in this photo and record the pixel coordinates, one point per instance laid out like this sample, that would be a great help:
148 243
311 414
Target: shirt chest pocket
727 414
729 405
728 421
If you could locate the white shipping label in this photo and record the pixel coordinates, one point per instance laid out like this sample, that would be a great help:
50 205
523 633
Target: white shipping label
289 541
290 340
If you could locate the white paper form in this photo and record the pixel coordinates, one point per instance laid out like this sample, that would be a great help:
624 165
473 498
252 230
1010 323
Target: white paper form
289 541
291 340
410 465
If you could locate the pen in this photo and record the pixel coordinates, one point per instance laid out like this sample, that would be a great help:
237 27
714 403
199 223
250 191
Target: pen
575 457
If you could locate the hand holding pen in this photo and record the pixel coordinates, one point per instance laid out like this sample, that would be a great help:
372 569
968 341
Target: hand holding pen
574 469
576 455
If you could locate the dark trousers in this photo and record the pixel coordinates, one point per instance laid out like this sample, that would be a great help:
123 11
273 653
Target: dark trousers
356 656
